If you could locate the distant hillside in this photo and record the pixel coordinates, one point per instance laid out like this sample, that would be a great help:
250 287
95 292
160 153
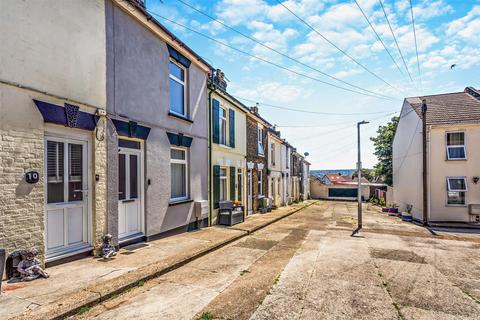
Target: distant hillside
344 172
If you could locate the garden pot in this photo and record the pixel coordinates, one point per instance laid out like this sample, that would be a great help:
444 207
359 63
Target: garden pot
385 209
393 212
407 217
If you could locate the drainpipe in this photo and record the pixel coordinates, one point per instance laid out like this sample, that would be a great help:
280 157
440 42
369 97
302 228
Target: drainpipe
425 182
212 88
2 264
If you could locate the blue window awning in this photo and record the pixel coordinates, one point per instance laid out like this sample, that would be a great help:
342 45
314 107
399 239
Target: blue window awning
131 129
178 56
69 116
179 140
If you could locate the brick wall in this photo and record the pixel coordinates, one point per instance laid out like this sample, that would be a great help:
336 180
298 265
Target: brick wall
21 204
252 156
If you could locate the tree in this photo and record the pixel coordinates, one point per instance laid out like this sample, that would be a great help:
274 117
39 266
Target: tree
383 144
368 174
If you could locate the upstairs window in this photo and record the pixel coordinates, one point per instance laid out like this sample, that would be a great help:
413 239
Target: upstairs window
272 151
456 189
177 89
456 146
260 141
223 126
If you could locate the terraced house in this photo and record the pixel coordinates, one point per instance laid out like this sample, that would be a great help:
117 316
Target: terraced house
53 102
158 141
228 147
275 174
101 114
108 127
452 158
257 157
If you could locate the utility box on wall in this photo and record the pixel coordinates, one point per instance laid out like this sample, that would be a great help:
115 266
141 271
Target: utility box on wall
201 209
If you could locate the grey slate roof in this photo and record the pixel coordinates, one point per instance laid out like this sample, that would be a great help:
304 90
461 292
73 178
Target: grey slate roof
450 108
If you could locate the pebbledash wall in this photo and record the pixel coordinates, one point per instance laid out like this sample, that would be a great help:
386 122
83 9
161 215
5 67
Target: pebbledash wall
55 54
138 90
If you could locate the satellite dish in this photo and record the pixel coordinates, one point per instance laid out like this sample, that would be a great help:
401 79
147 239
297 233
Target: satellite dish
306 154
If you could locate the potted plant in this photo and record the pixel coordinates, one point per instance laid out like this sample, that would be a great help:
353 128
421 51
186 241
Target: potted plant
381 202
407 216
393 210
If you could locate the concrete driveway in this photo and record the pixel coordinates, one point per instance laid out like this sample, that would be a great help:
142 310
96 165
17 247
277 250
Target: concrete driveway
307 266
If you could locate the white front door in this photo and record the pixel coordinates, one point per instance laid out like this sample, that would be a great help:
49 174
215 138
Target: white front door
249 187
130 189
67 163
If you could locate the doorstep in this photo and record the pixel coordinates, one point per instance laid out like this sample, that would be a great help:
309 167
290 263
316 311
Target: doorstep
88 281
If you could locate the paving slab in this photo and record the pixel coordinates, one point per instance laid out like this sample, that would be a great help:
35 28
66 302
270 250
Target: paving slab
90 280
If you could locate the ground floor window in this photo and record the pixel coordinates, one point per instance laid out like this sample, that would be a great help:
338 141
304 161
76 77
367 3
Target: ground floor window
60 189
179 174
260 182
456 190
239 185
223 184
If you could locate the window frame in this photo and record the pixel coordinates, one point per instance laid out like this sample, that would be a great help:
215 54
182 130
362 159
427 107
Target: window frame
225 179
260 182
272 151
239 185
456 146
224 118
450 190
179 161
183 83
260 141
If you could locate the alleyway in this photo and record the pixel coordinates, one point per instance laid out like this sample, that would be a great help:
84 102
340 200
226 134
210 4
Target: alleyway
308 267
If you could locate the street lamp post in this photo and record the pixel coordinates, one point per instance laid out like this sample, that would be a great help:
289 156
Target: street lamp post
359 175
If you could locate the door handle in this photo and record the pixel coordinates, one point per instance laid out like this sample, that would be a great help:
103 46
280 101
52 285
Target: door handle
127 201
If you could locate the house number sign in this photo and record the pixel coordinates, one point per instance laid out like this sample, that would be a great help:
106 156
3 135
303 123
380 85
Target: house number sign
32 177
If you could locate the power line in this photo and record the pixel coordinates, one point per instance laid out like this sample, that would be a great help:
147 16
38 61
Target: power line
265 60
306 111
275 50
329 125
395 38
378 37
336 47
416 47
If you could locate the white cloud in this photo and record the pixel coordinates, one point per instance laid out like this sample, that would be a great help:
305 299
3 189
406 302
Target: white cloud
240 11
430 9
302 8
273 91
467 27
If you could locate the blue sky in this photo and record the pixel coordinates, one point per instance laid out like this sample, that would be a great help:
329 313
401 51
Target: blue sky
447 33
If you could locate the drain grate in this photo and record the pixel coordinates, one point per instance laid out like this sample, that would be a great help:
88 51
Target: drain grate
255 243
396 255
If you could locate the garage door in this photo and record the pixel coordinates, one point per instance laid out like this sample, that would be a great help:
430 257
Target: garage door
342 193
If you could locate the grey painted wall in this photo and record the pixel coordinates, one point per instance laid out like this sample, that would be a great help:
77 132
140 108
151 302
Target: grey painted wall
138 88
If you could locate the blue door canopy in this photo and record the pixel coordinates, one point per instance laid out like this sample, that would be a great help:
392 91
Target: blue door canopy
69 115
131 129
179 140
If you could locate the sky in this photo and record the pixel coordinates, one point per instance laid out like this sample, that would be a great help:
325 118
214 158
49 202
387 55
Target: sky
447 33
